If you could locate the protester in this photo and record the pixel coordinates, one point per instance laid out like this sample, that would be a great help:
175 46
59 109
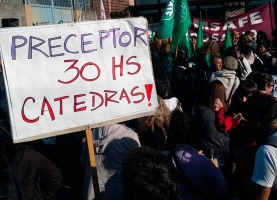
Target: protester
216 63
235 37
193 40
265 56
154 129
166 56
207 137
228 76
24 173
250 36
241 134
163 90
261 112
262 36
185 82
210 49
147 174
244 68
112 143
245 50
199 177
265 82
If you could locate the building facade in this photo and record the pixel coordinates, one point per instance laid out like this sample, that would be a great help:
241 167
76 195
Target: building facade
42 12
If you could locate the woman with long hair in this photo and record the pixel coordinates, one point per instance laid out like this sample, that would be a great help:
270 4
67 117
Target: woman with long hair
154 130
207 137
245 50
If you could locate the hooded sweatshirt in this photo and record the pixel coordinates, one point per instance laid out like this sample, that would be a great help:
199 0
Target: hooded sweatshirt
111 143
229 80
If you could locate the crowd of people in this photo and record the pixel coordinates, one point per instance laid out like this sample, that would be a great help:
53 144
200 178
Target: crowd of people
213 136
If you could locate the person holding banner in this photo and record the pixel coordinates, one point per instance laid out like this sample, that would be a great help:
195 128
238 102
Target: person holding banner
112 143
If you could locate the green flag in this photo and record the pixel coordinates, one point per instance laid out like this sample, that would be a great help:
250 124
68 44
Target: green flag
167 21
182 22
227 41
187 46
199 42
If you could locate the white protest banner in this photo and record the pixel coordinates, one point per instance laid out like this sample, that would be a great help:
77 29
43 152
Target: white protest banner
62 78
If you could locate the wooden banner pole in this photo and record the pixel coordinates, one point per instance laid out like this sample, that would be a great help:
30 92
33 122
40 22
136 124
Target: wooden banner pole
93 163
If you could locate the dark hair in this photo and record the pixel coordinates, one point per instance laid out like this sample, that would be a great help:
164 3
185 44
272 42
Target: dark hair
213 57
215 90
180 128
232 51
248 33
260 108
262 42
181 59
261 35
262 80
251 76
244 46
163 88
247 88
147 174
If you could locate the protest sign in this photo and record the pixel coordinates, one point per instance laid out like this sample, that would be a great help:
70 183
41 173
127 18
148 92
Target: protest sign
260 18
62 78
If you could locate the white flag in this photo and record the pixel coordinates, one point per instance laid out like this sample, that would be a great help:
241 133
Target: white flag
102 10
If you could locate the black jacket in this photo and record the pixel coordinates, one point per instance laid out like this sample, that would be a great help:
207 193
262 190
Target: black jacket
206 135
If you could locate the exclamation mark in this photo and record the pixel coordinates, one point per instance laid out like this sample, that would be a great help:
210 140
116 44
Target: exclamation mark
148 89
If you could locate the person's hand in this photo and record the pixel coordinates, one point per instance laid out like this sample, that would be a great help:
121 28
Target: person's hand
215 162
238 117
200 152
217 105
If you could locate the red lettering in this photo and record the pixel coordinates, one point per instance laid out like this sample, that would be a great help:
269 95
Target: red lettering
115 66
109 98
79 103
45 102
23 113
71 67
124 95
61 102
84 66
133 63
137 94
93 100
